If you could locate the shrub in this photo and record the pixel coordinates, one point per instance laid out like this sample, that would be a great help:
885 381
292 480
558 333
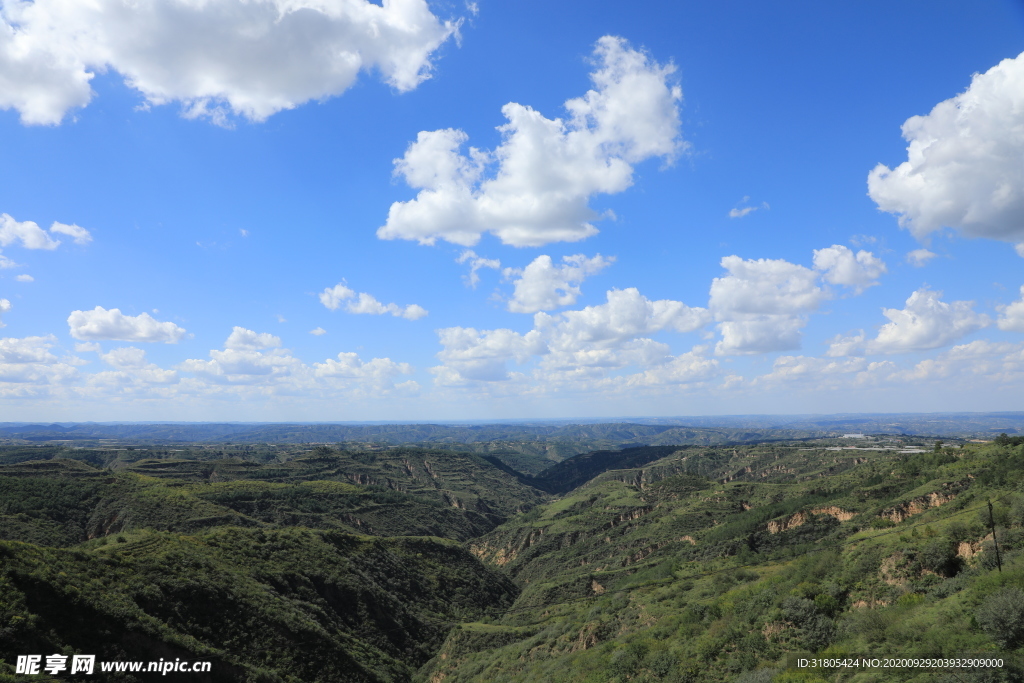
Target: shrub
818 632
938 556
1002 617
759 676
988 554
827 604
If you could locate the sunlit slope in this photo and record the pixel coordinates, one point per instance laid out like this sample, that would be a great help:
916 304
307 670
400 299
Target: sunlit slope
263 605
407 492
709 565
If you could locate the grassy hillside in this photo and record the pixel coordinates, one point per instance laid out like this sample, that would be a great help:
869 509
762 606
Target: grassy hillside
526 448
393 492
694 568
657 563
262 605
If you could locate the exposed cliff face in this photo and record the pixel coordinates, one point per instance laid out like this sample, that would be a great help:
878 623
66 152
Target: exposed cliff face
779 525
968 549
505 553
917 505
628 516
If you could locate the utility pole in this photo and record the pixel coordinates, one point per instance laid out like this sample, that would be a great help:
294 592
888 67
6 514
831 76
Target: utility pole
995 542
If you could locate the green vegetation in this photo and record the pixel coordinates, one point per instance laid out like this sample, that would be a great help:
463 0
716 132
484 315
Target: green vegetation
658 573
656 563
289 604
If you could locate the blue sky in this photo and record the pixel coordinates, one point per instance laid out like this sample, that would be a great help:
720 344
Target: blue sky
272 210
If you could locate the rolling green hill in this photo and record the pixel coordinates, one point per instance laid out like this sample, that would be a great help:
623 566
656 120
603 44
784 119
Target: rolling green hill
390 492
656 563
274 605
661 573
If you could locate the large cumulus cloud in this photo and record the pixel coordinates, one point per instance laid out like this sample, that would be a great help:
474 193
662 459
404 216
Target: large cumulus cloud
965 162
534 188
252 58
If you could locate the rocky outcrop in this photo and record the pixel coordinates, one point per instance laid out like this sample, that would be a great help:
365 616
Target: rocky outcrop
452 500
916 506
643 553
968 549
777 526
628 516
505 554
837 512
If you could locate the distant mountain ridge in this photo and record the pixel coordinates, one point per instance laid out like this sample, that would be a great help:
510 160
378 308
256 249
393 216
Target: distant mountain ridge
701 430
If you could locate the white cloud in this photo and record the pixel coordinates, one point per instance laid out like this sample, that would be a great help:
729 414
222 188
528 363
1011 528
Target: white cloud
248 358
215 56
28 233
740 211
852 345
978 363
759 334
543 286
27 363
692 366
963 167
245 366
5 307
825 373
920 257
482 355
318 331
765 287
27 350
587 342
243 339
979 357
100 324
365 303
25 278
77 233
760 304
131 371
545 170
332 297
349 366
1019 248
839 266
125 357
475 264
361 302
1011 317
251 363
925 322
613 334
244 370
